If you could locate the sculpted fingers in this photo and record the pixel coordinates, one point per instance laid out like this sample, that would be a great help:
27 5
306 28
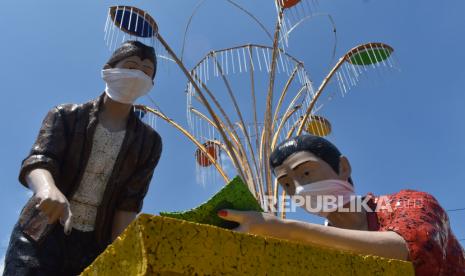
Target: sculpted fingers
250 221
66 220
56 213
45 206
52 205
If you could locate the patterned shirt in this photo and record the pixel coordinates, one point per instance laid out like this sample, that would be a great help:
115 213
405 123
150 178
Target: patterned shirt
84 203
424 225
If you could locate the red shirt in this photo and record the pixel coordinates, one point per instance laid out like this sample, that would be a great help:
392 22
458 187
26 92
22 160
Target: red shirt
424 225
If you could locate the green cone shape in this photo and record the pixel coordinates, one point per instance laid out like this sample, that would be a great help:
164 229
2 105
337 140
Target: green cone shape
235 195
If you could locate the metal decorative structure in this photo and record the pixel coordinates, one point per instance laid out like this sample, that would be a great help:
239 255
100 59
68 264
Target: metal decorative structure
230 125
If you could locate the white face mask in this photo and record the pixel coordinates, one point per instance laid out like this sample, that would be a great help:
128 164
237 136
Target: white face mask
126 85
323 197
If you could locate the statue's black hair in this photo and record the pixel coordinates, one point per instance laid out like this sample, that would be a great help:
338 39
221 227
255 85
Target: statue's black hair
134 48
319 146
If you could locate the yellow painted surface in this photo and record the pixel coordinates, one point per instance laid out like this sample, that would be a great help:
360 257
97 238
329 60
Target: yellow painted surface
319 126
154 245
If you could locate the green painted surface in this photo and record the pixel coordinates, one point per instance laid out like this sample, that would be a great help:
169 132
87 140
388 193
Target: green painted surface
370 56
234 195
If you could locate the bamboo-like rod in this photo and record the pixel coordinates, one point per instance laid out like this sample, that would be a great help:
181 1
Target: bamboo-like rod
241 118
288 135
210 122
218 105
284 119
318 93
283 214
190 137
252 16
281 124
204 100
283 95
255 118
188 25
256 177
223 147
331 20
293 128
269 107
275 192
262 142
238 150
261 158
215 116
254 98
276 184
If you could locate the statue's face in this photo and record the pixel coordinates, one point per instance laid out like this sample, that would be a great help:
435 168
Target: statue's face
134 62
303 168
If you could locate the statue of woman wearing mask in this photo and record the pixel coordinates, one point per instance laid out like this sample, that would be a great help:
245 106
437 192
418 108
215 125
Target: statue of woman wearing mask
408 225
89 169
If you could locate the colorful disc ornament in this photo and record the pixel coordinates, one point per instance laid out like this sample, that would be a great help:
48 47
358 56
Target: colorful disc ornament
318 126
130 23
370 53
286 4
202 158
140 113
133 21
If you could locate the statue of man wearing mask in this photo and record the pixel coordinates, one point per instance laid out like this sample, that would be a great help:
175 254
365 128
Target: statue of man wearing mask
408 225
90 169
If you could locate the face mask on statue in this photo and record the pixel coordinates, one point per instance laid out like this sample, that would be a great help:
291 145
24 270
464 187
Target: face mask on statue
126 85
323 197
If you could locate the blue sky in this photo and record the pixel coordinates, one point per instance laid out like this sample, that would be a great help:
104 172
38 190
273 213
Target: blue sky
404 131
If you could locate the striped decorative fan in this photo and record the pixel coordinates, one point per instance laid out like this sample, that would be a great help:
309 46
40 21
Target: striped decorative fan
126 22
318 126
291 12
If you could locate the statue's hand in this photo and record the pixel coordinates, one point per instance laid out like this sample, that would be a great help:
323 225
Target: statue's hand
52 202
250 221
55 206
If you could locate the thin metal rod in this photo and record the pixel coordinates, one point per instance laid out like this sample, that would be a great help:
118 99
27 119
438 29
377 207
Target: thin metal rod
253 17
186 30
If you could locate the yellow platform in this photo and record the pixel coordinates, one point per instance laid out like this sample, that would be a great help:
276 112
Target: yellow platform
154 245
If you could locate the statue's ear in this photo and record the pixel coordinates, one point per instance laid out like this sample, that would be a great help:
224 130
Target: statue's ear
345 170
